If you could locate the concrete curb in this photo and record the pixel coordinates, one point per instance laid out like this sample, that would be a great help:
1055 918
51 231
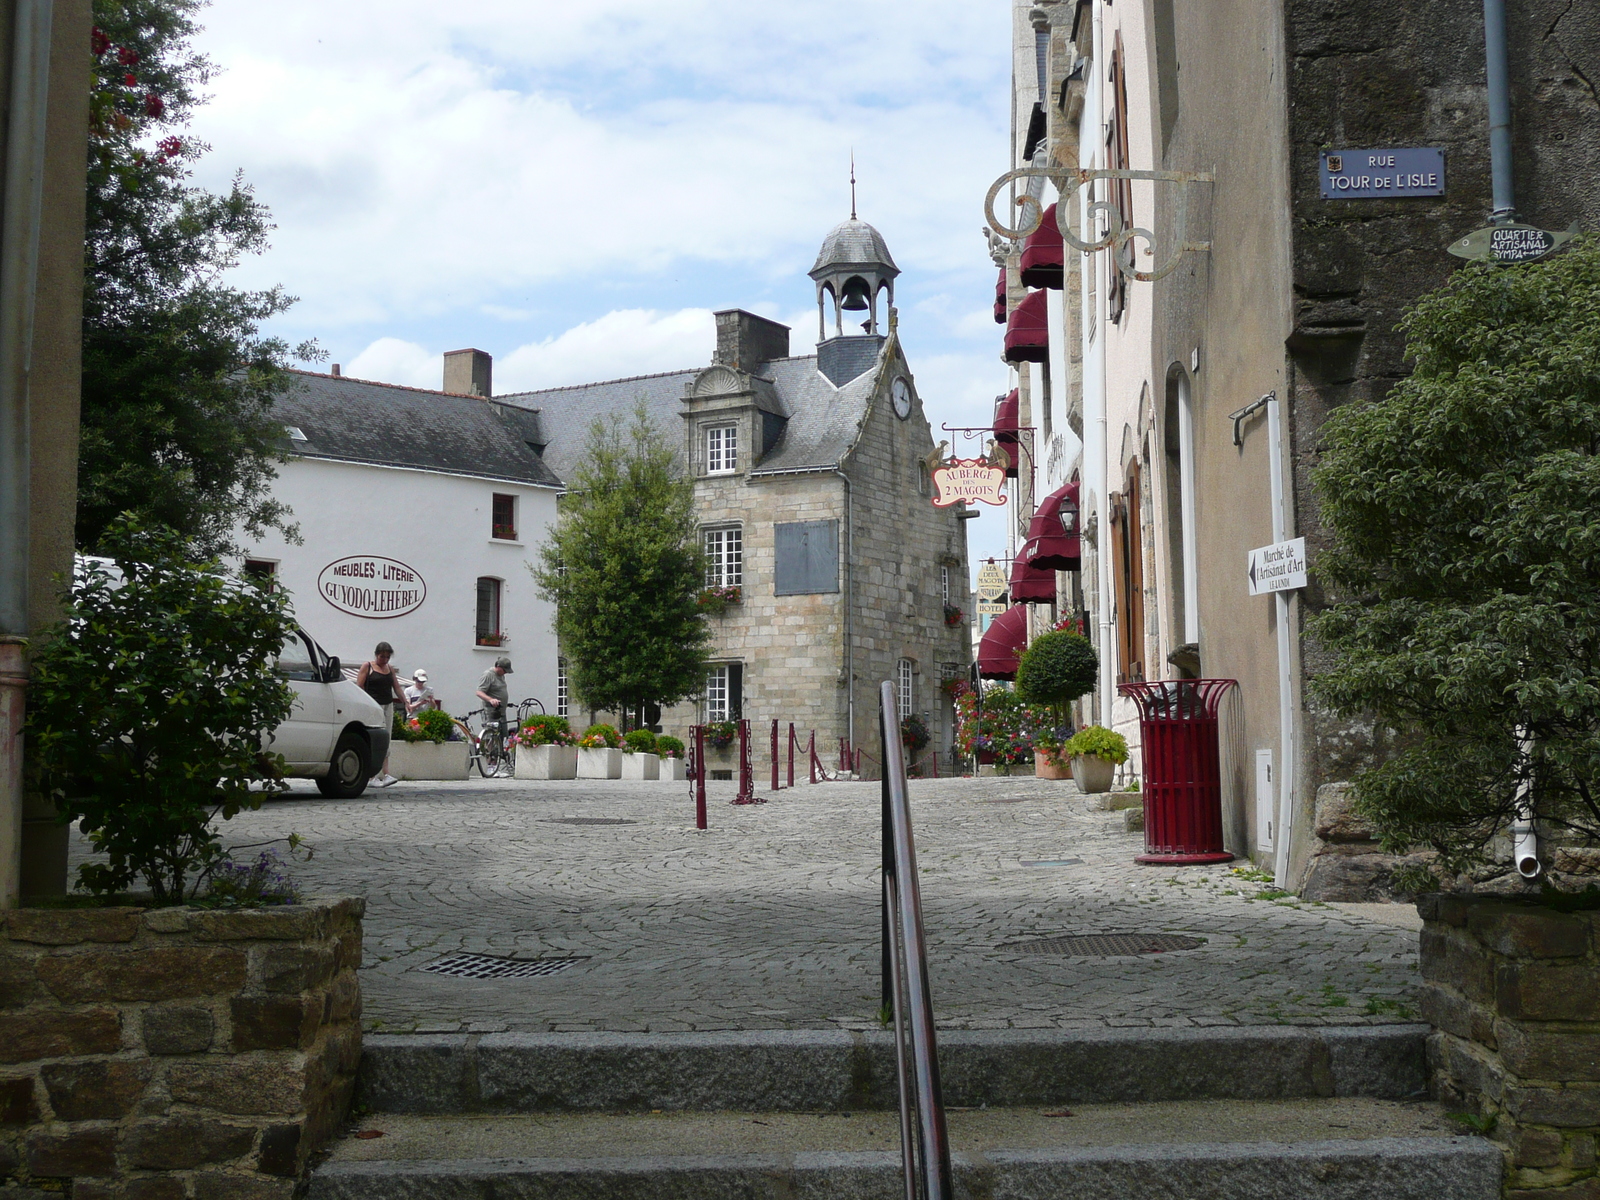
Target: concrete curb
1393 1168
837 1070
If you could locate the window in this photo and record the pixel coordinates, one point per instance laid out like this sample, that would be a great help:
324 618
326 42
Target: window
263 572
295 660
944 584
722 449
1121 190
724 692
724 557
561 687
922 478
1127 564
807 554
905 676
296 434
489 632
503 522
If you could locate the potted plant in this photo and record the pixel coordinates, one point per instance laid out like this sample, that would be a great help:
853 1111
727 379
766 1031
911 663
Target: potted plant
714 601
639 757
953 614
1096 752
998 731
600 753
420 747
671 751
546 749
1054 671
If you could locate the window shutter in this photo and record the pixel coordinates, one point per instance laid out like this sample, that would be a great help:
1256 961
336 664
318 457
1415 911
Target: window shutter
807 558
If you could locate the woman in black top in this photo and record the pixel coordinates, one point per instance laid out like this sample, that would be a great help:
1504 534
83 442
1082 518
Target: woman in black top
382 682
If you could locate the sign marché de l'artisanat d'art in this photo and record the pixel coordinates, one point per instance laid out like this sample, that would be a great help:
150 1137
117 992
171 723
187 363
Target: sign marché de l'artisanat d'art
1382 174
969 479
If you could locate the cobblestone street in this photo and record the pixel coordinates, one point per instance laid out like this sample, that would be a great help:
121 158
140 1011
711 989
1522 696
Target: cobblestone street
769 919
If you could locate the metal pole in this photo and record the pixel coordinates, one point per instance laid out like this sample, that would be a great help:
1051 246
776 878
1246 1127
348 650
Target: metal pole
19 274
895 954
886 931
774 753
791 753
1280 532
1496 59
811 755
699 776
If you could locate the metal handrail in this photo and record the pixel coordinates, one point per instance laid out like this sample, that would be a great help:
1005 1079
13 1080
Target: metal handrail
924 1143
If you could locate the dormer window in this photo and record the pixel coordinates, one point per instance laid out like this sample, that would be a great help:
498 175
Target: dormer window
722 449
296 434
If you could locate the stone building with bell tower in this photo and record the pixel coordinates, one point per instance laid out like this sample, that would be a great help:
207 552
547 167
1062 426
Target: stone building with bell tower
813 495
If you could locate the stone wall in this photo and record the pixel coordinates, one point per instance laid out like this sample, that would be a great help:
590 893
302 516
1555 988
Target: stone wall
175 1053
1513 990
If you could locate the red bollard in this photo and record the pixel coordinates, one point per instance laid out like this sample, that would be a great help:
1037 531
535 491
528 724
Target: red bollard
699 776
791 753
811 755
774 753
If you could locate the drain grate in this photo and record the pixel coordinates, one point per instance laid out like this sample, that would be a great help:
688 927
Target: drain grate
587 821
489 966
1106 945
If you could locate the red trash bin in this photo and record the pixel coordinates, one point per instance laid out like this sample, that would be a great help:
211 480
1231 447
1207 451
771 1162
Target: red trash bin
1182 769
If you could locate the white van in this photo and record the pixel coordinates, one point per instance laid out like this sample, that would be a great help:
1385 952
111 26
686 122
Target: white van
336 733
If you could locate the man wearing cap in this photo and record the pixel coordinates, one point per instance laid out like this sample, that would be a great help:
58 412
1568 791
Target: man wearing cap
419 695
496 696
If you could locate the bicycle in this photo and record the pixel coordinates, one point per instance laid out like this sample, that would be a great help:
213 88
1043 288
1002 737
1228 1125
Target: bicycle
485 748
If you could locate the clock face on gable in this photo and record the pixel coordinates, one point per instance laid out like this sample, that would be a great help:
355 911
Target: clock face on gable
900 394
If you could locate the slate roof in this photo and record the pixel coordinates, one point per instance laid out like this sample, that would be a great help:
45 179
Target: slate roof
821 426
852 243
354 420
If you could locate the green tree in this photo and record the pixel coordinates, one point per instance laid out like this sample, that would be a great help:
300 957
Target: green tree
147 707
1056 669
624 569
1465 512
178 382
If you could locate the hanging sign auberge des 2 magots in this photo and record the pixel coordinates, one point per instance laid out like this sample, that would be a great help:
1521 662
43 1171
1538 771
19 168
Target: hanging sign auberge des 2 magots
969 479
369 585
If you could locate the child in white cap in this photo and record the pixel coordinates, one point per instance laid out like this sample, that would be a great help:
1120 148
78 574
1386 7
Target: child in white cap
419 695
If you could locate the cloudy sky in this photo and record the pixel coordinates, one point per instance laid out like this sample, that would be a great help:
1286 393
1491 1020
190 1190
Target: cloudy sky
574 187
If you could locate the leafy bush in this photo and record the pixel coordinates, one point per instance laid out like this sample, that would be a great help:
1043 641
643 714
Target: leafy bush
544 730
914 734
1465 513
639 741
429 725
601 737
1056 669
669 747
720 734
250 885
148 707
1096 742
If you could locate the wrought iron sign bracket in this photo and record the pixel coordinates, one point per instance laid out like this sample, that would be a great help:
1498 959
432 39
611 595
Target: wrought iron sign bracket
1119 237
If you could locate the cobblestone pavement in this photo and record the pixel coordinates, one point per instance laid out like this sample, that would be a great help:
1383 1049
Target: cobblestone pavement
769 919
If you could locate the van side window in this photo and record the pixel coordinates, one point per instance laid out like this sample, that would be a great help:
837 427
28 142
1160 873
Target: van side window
295 661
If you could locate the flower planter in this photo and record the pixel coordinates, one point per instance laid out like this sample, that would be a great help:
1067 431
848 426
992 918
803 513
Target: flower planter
641 766
1045 767
603 763
1093 774
547 762
428 760
674 769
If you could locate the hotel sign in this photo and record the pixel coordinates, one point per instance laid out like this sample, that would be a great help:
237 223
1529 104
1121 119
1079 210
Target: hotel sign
969 479
366 585
1381 174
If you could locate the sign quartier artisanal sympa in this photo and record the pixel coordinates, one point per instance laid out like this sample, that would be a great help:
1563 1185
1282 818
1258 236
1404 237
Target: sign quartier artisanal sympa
969 479
1381 174
1280 567
366 585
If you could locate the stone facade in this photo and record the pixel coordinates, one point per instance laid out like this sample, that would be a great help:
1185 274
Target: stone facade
175 1053
1513 990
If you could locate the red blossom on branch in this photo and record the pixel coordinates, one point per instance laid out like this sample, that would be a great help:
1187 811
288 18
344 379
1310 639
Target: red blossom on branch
98 41
170 148
154 106
130 79
127 57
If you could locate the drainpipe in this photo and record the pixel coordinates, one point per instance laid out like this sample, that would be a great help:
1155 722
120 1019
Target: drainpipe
1524 838
1494 49
19 267
1280 533
1108 669
849 604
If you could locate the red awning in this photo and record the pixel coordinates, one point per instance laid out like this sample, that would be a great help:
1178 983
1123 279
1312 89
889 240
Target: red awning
1031 584
1005 417
1044 254
1002 644
1000 299
1028 331
1053 533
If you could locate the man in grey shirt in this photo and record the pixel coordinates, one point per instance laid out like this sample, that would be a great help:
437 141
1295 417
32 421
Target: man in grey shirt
496 696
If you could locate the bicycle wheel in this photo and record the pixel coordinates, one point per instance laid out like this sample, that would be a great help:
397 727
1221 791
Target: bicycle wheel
490 752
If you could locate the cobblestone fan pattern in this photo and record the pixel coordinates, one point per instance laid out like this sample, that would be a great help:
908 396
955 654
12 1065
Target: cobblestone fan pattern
769 919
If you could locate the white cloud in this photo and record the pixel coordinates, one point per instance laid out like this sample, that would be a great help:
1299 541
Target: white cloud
621 343
391 360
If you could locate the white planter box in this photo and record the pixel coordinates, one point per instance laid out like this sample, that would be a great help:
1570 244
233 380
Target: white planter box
674 769
641 766
599 764
547 762
428 760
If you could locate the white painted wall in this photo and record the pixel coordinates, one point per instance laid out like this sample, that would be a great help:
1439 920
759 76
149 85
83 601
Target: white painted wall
439 525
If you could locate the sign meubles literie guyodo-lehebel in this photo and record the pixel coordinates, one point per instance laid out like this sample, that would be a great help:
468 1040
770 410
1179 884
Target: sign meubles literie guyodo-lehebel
369 585
1280 567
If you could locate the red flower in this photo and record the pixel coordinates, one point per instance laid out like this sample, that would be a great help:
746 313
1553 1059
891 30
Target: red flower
98 41
129 80
154 105
170 147
128 58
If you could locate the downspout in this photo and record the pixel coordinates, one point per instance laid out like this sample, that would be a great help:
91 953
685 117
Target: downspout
849 604
1280 533
1496 59
1108 677
19 269
1524 837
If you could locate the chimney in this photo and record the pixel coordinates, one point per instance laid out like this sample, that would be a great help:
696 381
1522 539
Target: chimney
469 373
744 339
336 368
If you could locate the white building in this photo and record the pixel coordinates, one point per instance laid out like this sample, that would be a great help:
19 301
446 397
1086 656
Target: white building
419 512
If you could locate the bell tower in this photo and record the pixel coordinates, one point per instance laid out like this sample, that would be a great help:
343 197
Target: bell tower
853 270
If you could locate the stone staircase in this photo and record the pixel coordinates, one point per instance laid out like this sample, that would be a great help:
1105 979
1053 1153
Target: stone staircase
1276 1113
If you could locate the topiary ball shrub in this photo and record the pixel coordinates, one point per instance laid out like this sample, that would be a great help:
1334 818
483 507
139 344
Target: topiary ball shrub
1056 669
639 741
669 747
544 730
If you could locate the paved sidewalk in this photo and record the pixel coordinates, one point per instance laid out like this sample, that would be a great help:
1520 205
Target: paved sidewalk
769 919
